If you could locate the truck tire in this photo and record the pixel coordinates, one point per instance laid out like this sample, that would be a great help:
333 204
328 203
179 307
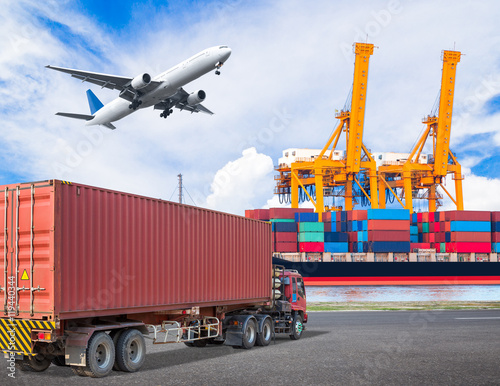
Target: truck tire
297 327
35 363
79 370
100 355
265 336
130 350
115 334
249 334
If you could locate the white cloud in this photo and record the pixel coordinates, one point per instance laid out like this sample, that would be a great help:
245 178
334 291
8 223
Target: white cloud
279 89
241 183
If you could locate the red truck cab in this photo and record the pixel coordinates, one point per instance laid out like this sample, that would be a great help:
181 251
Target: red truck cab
295 291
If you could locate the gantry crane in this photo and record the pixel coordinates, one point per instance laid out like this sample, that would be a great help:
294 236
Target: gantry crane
413 177
326 173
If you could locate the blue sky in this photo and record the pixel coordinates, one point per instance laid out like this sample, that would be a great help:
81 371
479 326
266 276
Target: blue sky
291 64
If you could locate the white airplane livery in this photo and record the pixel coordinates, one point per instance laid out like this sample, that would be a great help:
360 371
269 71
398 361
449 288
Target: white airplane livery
164 92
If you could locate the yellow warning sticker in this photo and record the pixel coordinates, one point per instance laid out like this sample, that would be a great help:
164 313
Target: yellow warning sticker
25 276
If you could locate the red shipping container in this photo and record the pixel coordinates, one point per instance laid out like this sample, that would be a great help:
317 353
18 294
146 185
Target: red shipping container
261 214
328 227
98 252
349 215
288 213
327 216
249 213
425 238
388 225
468 247
495 237
432 238
414 246
420 227
431 216
338 216
495 216
437 227
359 215
425 217
431 227
285 247
419 217
447 226
467 237
312 247
352 237
288 237
388 235
463 215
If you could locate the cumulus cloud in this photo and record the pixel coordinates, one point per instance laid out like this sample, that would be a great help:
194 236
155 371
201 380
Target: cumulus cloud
241 183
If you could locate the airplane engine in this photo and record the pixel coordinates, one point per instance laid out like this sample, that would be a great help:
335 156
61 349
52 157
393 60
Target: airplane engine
141 81
196 98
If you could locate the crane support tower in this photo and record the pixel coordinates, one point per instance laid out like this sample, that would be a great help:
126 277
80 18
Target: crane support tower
414 177
327 176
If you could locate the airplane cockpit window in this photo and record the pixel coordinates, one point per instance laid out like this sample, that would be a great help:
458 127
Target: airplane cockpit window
222 47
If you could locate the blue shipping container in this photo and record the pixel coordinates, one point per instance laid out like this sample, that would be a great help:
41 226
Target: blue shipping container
389 246
495 226
337 247
495 247
413 238
388 214
284 227
470 226
413 230
306 217
414 218
335 237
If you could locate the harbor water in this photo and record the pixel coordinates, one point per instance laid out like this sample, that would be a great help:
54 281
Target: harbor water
486 293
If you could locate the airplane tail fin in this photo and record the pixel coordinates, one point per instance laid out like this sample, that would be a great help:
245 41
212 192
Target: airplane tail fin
94 103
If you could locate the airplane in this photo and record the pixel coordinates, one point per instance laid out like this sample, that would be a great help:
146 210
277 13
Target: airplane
164 92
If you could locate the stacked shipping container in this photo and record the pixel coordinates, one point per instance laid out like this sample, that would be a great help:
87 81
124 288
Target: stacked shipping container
454 231
495 232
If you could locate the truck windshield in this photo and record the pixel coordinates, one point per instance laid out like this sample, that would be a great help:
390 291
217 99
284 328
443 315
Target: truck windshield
301 287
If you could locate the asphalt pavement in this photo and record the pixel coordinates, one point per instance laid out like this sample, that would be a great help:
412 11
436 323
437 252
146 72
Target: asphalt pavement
338 348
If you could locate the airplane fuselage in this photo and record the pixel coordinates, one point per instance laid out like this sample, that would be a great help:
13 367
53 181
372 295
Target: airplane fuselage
171 81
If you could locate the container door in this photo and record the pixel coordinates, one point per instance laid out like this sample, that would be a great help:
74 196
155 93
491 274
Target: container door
26 262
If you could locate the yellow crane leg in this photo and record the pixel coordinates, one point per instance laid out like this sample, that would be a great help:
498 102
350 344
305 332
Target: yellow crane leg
373 189
381 193
348 194
432 198
295 191
318 180
407 190
459 195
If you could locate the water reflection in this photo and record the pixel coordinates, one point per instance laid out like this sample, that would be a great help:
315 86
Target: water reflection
403 293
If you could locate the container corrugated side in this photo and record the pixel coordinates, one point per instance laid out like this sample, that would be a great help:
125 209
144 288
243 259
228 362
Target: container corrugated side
111 253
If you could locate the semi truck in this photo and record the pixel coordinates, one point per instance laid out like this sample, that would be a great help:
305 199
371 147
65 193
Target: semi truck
89 273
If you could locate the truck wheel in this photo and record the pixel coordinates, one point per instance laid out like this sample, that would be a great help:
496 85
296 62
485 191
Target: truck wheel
115 334
250 334
189 344
59 360
216 342
264 338
297 327
36 363
100 355
79 370
130 350
200 343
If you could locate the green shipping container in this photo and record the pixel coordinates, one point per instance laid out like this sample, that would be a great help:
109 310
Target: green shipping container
306 237
425 227
282 220
311 227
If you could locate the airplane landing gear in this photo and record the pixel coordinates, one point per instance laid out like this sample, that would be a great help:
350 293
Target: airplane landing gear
217 68
135 104
166 113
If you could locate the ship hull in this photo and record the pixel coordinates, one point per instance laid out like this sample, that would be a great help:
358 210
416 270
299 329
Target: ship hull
395 273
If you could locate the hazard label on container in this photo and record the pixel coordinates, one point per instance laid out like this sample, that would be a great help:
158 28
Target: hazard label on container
25 276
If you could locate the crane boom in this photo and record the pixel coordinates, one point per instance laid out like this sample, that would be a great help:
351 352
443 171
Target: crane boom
363 52
450 60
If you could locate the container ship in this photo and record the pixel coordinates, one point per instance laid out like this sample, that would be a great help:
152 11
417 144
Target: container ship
386 246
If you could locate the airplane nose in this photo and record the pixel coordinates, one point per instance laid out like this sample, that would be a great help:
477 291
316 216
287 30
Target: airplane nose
225 54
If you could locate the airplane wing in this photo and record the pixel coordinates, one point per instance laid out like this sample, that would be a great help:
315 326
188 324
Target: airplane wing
112 82
179 100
